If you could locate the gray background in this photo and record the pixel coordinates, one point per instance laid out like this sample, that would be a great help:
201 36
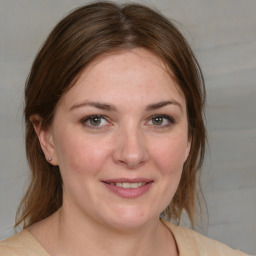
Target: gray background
223 36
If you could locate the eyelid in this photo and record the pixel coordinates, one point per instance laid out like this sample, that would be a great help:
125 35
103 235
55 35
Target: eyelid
87 118
92 116
170 119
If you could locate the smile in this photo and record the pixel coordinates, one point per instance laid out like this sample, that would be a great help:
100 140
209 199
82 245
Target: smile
128 185
127 188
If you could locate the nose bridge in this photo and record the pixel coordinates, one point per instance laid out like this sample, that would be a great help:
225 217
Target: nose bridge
131 146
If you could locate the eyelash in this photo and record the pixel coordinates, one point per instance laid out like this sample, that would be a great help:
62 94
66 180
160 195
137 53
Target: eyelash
91 126
85 120
169 119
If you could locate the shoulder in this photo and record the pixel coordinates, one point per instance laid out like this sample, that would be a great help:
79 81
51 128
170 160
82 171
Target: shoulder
21 244
193 243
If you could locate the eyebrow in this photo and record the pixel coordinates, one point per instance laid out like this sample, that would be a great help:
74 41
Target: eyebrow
98 105
163 104
109 107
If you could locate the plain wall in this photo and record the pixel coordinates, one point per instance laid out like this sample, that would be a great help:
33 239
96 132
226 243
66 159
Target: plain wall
223 35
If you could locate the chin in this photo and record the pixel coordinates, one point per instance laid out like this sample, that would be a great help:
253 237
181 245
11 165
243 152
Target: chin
130 219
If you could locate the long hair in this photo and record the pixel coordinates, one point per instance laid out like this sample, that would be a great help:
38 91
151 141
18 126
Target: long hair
84 34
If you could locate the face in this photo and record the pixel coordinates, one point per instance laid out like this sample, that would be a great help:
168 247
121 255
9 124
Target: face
120 138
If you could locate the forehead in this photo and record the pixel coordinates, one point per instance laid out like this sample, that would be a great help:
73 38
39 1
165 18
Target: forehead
143 58
131 74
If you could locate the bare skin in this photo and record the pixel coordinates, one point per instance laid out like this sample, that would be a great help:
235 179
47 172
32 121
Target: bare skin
123 124
59 238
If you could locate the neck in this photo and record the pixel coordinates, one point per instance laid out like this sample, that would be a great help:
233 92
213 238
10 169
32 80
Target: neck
71 236
91 234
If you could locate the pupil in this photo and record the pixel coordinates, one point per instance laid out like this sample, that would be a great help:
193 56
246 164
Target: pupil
157 120
95 120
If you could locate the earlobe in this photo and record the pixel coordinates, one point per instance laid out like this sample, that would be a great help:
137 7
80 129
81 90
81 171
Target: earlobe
45 138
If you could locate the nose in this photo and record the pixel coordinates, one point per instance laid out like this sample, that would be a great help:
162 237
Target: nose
130 148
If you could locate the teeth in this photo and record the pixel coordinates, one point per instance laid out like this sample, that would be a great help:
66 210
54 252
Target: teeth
129 185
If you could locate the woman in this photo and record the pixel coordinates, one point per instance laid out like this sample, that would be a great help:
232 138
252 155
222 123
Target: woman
114 137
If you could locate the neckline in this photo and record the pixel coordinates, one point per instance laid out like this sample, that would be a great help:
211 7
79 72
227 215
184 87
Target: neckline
33 241
184 244
179 239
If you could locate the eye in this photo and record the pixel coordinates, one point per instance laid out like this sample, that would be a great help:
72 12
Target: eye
95 121
161 120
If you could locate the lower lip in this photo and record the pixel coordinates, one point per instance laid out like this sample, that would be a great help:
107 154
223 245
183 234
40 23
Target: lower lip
129 192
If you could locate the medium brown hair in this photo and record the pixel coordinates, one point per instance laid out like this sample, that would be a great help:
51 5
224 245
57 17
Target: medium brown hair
76 40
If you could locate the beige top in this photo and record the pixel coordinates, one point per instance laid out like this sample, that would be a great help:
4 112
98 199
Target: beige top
190 243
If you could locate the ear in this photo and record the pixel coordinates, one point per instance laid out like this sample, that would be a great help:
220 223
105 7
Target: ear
45 138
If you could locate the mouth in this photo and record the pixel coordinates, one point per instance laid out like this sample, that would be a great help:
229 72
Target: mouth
128 185
128 188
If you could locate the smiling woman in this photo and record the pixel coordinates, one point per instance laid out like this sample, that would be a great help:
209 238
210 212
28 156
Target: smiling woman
114 137
134 147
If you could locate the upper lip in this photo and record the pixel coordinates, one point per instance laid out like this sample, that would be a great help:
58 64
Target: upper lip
127 180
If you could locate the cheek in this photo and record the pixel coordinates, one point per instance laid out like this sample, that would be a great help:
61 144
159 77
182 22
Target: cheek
170 154
80 154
